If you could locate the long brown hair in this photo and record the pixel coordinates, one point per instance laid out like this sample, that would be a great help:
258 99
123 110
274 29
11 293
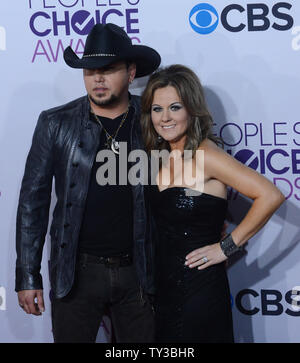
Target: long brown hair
190 90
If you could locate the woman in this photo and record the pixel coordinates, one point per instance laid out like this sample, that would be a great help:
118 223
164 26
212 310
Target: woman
193 298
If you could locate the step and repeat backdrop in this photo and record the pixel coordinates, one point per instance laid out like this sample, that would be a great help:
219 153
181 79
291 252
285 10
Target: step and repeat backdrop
247 55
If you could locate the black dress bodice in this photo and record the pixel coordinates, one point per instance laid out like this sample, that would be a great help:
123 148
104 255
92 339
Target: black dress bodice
193 220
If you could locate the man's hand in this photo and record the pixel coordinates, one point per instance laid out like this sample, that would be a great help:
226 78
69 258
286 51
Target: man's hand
32 301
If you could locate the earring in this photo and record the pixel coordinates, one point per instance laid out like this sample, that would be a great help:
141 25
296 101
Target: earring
159 139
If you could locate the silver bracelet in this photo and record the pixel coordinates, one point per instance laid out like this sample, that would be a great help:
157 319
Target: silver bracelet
228 246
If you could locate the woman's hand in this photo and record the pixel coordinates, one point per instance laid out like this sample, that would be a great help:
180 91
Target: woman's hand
205 256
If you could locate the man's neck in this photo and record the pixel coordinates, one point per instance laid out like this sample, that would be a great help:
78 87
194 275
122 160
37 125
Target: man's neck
111 111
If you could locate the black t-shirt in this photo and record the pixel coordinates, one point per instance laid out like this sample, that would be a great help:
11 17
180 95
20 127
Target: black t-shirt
107 225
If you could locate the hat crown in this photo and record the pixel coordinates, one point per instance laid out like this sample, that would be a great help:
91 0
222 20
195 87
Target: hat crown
107 39
107 44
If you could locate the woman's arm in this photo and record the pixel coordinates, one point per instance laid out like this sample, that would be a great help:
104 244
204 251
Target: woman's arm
267 198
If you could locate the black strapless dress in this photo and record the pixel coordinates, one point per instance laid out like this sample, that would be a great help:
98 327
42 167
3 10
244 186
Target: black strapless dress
191 305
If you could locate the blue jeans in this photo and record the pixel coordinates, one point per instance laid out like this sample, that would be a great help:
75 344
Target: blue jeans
97 288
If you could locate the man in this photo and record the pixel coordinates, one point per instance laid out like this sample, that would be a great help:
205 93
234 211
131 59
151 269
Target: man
99 244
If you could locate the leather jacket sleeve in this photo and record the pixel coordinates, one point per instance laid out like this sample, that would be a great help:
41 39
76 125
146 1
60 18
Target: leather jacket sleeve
33 208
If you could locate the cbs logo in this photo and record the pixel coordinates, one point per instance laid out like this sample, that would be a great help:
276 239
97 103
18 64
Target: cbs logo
2 298
204 18
269 302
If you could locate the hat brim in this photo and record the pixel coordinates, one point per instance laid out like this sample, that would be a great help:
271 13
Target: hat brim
147 60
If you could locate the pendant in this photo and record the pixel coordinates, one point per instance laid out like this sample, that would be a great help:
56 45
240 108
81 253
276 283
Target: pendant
115 146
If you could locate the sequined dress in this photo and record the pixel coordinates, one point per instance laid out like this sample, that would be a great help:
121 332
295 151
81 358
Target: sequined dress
191 305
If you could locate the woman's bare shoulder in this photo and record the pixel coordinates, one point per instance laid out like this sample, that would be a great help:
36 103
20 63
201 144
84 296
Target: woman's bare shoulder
210 146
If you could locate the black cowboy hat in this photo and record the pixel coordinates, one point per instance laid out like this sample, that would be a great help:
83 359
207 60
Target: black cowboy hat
108 44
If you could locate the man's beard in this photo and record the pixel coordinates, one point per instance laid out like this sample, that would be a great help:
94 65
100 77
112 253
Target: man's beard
113 99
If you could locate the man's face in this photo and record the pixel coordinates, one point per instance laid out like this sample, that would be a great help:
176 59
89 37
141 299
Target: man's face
108 85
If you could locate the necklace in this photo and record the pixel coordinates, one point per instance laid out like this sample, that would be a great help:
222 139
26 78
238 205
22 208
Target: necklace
111 142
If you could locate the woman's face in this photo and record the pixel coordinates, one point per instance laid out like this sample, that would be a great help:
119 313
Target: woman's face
168 114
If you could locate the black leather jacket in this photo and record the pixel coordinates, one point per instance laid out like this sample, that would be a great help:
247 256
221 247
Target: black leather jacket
64 145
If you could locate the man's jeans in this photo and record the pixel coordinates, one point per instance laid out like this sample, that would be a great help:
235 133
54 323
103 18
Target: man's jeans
77 316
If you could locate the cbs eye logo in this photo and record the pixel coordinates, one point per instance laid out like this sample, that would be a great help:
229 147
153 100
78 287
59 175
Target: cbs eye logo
204 18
